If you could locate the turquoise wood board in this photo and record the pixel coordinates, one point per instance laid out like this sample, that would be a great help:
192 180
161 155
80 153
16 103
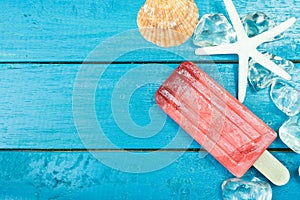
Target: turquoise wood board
71 175
53 107
69 30
41 106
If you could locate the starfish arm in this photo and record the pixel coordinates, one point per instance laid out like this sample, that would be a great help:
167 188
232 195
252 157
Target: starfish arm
235 19
268 64
270 34
243 72
217 50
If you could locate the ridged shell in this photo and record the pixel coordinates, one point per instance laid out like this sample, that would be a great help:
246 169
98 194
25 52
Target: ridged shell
167 22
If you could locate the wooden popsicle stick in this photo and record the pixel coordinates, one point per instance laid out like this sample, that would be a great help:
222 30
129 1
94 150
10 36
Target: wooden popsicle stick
272 169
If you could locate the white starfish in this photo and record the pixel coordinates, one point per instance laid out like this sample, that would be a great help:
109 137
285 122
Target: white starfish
245 47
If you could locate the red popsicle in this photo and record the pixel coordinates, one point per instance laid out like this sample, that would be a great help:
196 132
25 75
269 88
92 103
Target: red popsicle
219 122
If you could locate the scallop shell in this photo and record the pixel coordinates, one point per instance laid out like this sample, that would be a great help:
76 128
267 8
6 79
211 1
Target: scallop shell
167 22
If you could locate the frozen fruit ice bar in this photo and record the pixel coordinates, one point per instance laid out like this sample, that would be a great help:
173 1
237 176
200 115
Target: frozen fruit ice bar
214 118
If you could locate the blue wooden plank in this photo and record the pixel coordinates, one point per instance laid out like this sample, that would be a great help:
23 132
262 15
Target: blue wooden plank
40 105
81 176
69 30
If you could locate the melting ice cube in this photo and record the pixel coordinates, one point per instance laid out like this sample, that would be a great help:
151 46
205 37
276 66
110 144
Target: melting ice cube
212 30
253 189
289 133
256 23
260 78
286 94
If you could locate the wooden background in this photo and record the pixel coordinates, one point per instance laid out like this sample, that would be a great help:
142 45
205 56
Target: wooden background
53 108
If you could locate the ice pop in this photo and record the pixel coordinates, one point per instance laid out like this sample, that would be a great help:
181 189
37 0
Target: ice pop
219 123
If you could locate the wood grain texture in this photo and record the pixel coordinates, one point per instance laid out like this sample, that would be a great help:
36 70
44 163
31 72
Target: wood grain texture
81 176
69 30
37 104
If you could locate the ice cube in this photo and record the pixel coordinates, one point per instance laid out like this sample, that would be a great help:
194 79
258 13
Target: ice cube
256 23
259 77
289 133
212 30
286 94
252 189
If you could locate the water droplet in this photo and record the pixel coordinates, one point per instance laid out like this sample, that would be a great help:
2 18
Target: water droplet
122 96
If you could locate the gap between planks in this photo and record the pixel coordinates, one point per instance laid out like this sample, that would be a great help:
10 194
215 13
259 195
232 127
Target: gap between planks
124 150
118 62
125 62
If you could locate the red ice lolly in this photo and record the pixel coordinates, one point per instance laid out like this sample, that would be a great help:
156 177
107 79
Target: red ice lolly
220 123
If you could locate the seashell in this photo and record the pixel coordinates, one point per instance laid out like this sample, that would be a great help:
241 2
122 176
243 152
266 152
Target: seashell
167 22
